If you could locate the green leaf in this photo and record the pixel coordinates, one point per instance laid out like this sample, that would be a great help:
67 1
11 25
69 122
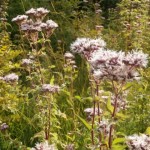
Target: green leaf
122 116
118 147
52 66
109 106
147 131
40 134
127 86
87 125
78 98
118 140
52 80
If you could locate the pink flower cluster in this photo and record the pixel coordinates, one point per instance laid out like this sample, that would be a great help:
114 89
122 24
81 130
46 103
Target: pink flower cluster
85 46
12 77
32 26
118 66
50 88
138 142
104 126
43 146
109 64
69 58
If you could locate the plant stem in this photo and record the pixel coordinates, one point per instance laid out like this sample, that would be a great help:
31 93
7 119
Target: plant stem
113 115
93 119
98 107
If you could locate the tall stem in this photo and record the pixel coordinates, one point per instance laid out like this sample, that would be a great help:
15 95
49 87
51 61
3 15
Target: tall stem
93 119
113 114
72 100
48 119
116 91
98 107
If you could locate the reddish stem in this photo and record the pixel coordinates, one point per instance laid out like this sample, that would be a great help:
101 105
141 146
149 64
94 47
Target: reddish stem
93 119
98 107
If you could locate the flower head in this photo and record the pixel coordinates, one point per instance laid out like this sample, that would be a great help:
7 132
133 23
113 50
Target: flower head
38 13
20 19
51 24
42 11
48 27
50 88
113 65
104 126
90 111
69 55
31 29
136 58
30 12
86 46
4 126
26 62
43 25
43 146
139 142
11 77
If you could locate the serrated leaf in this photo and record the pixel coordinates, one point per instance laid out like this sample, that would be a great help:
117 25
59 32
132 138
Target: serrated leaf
87 125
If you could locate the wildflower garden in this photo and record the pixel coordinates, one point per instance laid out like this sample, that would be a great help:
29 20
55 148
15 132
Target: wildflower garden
74 75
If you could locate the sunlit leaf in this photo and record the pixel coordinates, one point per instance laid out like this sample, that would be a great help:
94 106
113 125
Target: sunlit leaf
109 106
147 131
118 140
87 125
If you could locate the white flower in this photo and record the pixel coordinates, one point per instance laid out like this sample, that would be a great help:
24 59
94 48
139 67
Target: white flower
136 58
4 126
31 27
26 61
31 11
113 65
43 25
43 146
51 24
104 126
90 111
106 57
68 55
139 142
108 64
50 88
104 122
98 74
20 19
11 77
42 10
86 45
37 12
